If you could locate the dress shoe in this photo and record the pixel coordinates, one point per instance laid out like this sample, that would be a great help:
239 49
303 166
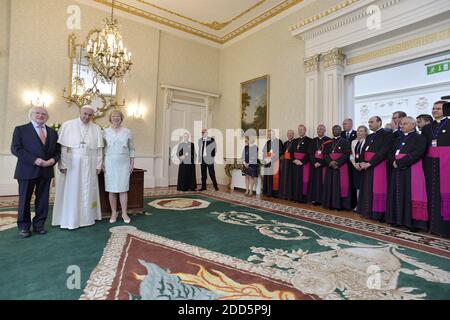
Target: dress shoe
126 219
216 188
40 231
25 233
113 218
203 189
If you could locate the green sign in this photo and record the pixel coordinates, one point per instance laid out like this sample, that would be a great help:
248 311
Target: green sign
438 68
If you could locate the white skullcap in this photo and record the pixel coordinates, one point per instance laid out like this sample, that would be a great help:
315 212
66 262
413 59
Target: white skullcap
88 106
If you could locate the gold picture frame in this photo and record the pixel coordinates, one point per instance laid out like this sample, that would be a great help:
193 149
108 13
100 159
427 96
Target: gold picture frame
100 95
255 104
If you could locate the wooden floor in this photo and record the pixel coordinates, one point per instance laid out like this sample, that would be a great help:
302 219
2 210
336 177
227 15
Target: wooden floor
345 214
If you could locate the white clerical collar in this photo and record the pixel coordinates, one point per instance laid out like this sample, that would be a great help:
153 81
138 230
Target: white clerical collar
378 130
302 137
321 137
335 138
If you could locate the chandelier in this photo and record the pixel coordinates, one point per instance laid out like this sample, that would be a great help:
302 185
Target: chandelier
106 52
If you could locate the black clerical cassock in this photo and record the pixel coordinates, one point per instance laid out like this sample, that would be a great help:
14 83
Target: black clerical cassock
273 149
336 188
407 197
373 192
286 171
315 192
187 180
437 174
301 172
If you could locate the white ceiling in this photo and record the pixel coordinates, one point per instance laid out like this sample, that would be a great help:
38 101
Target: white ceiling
216 22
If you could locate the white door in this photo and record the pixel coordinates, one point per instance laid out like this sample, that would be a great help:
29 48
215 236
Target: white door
182 116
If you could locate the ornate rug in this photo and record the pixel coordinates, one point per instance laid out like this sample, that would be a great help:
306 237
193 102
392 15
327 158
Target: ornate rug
215 245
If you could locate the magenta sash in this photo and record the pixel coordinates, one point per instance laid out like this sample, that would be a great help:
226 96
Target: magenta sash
443 154
306 171
318 155
379 183
418 190
343 174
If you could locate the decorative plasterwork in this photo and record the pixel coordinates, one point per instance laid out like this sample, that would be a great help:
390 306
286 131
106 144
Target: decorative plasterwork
268 14
215 25
400 47
333 58
312 63
323 14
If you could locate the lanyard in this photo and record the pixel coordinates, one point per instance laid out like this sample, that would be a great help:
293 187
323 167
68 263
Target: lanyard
335 146
299 143
439 128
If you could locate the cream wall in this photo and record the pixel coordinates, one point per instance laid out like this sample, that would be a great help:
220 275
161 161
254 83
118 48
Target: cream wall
36 33
275 52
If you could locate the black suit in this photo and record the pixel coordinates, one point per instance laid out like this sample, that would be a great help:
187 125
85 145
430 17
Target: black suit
350 137
27 147
351 170
207 160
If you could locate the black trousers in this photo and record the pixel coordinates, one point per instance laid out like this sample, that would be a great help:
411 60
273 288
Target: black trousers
41 187
212 174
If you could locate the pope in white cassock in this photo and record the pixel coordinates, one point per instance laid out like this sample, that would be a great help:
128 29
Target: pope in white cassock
77 200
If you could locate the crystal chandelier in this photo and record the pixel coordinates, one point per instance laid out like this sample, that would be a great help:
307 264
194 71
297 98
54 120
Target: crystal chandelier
106 52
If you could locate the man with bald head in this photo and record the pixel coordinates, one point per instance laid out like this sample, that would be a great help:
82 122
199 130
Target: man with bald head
37 151
287 167
407 198
318 166
77 201
374 177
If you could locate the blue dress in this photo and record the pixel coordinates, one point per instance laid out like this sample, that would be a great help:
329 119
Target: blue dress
119 148
250 156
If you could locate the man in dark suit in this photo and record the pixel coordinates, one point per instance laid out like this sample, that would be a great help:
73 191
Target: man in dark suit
348 132
37 151
207 152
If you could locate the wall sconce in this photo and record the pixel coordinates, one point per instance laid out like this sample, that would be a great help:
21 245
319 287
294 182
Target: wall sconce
137 112
35 99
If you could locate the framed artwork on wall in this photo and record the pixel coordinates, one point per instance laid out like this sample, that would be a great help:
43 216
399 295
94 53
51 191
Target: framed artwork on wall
255 104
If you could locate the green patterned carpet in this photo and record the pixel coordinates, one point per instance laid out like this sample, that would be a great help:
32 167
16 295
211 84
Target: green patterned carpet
323 256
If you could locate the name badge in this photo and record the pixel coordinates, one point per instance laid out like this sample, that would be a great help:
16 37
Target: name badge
397 152
434 143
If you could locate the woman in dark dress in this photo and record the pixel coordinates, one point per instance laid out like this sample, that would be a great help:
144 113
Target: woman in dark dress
186 172
355 157
250 162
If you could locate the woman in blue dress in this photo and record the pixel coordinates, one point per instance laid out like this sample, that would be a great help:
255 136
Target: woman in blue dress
118 164
250 162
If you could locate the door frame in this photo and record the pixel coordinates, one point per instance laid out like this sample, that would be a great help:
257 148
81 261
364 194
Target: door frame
179 95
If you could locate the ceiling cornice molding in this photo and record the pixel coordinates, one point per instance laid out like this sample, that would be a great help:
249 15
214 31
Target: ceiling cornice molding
265 16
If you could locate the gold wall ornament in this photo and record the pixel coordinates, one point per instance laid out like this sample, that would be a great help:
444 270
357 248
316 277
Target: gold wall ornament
106 52
334 57
312 63
400 47
84 86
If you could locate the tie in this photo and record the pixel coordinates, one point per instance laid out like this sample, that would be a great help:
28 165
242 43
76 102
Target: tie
348 135
204 148
42 134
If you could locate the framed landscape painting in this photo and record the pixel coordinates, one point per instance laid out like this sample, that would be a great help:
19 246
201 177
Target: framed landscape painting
254 104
